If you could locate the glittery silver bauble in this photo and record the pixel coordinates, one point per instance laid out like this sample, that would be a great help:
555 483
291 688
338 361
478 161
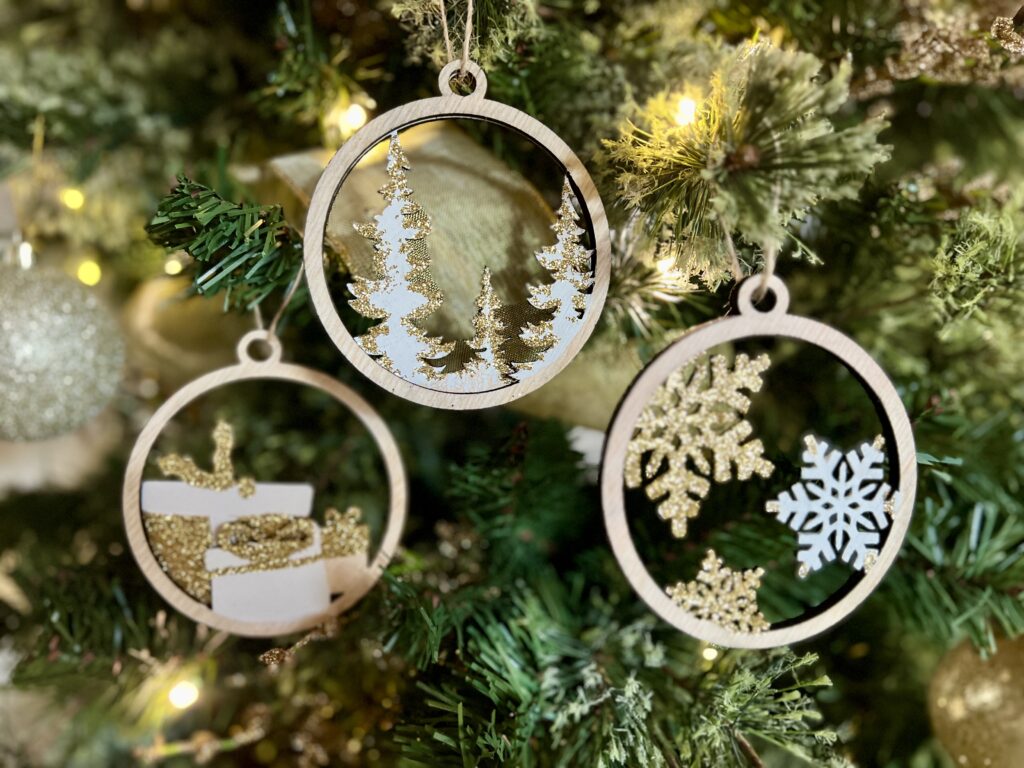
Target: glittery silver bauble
61 354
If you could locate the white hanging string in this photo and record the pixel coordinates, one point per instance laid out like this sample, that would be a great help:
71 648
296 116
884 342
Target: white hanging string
771 254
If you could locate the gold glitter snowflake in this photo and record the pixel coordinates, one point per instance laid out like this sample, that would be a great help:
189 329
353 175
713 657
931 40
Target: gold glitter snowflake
723 596
692 431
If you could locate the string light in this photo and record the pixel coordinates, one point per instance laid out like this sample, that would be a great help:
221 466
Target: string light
183 695
686 110
72 198
666 264
89 272
345 118
354 117
25 255
710 653
173 266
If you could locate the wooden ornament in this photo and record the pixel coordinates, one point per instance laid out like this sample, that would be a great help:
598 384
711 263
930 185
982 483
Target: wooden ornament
259 602
395 367
720 604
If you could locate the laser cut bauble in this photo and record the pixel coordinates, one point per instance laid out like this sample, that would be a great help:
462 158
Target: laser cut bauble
507 215
244 554
684 427
424 334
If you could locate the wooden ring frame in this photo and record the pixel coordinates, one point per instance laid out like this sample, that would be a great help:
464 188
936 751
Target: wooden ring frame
451 106
749 323
248 369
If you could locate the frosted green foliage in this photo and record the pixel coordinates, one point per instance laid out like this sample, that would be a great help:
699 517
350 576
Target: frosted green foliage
499 28
748 703
979 268
760 153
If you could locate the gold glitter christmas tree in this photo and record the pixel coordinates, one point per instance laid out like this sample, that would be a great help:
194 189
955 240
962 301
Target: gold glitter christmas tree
693 430
723 596
223 475
568 261
489 363
401 264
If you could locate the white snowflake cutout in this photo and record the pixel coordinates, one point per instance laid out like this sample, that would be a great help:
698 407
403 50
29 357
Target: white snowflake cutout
840 506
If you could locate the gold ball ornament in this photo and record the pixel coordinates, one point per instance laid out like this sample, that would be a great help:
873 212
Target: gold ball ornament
62 354
976 705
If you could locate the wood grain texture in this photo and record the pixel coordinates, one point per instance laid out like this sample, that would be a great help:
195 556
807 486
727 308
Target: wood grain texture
473 106
248 369
752 323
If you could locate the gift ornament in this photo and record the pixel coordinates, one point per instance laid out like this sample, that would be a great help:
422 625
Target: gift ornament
249 550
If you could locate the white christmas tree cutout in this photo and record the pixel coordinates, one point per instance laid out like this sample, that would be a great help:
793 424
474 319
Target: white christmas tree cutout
402 292
840 507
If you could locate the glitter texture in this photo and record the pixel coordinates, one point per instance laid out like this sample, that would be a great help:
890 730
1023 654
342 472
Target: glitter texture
693 425
569 263
401 265
179 543
62 354
401 292
343 535
723 596
223 475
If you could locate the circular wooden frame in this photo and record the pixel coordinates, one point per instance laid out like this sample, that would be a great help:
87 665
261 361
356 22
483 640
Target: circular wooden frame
451 106
247 369
751 323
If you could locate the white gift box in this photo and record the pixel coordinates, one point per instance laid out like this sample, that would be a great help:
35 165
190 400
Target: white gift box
281 594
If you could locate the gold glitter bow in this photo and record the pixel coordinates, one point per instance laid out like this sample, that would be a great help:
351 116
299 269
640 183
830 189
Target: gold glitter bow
223 475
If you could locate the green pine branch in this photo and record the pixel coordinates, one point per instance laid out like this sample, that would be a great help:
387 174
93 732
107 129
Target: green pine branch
762 150
243 250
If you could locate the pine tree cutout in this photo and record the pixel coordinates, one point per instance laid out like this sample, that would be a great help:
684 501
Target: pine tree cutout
569 263
693 430
402 290
489 368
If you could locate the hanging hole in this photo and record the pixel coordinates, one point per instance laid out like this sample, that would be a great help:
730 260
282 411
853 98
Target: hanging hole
462 84
259 347
773 301
456 80
765 302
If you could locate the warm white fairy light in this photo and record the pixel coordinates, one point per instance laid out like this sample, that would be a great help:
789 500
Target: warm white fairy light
72 198
710 653
666 264
345 118
25 255
183 695
173 266
353 118
88 272
686 110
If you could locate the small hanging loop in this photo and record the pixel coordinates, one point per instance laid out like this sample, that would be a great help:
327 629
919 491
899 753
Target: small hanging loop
266 338
453 70
745 302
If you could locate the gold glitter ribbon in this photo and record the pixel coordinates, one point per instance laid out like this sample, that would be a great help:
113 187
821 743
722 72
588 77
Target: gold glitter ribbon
267 542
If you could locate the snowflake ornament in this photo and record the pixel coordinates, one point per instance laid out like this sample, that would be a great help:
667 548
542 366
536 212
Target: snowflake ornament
692 432
723 596
840 506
